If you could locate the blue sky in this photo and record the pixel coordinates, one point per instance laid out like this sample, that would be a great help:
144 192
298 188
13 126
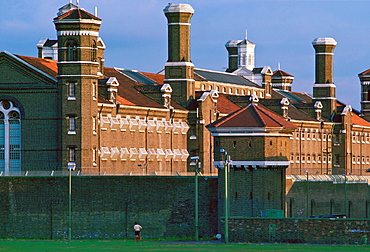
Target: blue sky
135 33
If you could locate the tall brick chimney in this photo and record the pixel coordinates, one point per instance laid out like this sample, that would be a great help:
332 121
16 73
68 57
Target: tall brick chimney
324 88
179 70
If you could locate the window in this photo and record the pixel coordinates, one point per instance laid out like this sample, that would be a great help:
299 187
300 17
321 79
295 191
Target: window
71 47
324 137
71 91
71 154
336 140
72 125
336 160
10 139
94 49
313 135
94 89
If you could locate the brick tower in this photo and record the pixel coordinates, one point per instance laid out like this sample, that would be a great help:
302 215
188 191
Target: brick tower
179 68
78 73
324 88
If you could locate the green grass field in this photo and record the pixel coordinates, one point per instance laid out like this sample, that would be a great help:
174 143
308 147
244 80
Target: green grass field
132 246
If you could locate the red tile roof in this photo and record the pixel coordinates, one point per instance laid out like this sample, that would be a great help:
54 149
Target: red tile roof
359 121
225 106
128 92
45 65
253 115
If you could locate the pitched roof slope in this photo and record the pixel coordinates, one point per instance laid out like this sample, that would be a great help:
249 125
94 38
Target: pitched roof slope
127 90
366 72
226 106
281 73
45 65
222 77
77 14
253 115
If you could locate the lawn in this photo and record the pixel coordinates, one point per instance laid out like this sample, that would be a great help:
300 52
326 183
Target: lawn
132 246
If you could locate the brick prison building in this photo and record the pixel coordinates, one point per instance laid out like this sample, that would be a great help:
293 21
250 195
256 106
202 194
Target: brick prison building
66 108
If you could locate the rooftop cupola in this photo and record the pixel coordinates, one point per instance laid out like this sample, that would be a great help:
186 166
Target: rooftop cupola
246 53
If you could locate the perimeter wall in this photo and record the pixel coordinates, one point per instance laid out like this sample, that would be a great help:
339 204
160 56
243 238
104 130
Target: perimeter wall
106 207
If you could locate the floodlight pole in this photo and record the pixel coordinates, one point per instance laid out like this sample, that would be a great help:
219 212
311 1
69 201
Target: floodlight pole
307 189
226 207
71 166
197 167
345 194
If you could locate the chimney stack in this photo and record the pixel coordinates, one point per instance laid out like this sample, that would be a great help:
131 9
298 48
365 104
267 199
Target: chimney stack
179 70
232 49
324 88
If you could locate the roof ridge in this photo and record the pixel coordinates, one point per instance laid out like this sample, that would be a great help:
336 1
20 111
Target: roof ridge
256 108
271 117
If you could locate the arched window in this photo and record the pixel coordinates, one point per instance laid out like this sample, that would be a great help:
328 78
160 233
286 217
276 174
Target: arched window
72 54
10 139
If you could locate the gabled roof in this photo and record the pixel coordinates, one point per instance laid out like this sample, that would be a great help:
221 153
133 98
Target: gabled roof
252 116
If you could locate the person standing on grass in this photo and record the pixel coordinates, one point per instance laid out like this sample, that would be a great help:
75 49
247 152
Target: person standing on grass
137 229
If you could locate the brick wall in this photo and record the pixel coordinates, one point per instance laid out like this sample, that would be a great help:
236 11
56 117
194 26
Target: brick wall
319 231
106 207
